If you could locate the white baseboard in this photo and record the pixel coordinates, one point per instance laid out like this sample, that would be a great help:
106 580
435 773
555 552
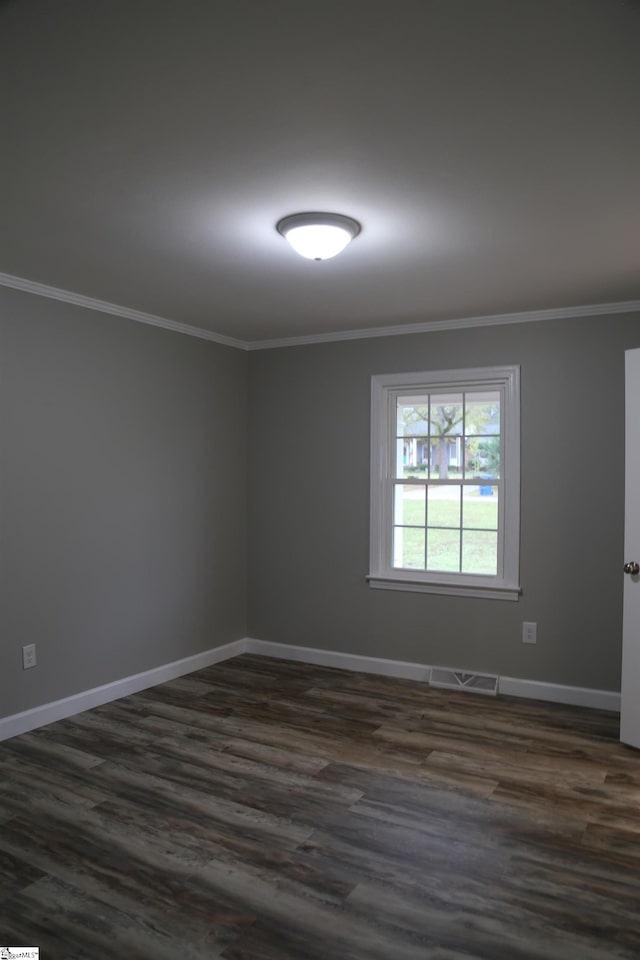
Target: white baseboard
59 709
344 661
512 686
558 693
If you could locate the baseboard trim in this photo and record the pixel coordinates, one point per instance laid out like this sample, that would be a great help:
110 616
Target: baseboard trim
344 661
558 693
40 716
60 709
510 686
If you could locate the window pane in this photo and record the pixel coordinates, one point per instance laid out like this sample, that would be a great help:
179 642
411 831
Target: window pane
446 414
409 506
408 548
482 456
412 457
443 550
412 419
482 413
480 507
479 552
447 458
444 506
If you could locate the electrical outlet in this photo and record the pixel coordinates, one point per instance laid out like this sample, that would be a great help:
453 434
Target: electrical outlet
28 656
529 632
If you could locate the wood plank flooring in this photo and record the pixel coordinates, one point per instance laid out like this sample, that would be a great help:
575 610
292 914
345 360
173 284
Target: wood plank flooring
268 810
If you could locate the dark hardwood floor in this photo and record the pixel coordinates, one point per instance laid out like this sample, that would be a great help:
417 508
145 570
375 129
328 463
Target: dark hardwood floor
268 810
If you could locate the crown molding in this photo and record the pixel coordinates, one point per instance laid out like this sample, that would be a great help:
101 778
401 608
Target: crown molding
432 326
103 306
366 333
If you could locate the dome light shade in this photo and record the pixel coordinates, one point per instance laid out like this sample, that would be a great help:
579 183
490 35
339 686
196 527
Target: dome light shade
318 236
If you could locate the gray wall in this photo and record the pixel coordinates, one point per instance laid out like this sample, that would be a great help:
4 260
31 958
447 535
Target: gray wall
122 497
309 503
123 500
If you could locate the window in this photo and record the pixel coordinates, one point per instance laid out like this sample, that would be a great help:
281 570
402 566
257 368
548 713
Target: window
445 482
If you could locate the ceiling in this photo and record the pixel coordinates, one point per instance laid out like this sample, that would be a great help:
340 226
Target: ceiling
490 149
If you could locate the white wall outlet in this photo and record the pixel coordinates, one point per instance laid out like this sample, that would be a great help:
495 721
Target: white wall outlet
529 632
28 656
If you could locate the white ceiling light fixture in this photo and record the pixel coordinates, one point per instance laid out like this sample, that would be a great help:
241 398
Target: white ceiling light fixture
318 236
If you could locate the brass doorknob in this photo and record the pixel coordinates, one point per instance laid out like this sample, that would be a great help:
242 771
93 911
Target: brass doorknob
632 568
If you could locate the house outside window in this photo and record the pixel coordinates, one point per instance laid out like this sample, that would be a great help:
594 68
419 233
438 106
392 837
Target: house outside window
445 482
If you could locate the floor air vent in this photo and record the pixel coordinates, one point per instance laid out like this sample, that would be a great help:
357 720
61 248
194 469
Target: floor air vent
485 683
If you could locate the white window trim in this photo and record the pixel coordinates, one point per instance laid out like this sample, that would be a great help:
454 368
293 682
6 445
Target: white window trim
384 389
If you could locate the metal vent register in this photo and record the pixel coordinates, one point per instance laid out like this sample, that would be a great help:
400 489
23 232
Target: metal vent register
486 683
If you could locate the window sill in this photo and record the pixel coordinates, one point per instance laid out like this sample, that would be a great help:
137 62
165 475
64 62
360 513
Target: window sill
485 591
